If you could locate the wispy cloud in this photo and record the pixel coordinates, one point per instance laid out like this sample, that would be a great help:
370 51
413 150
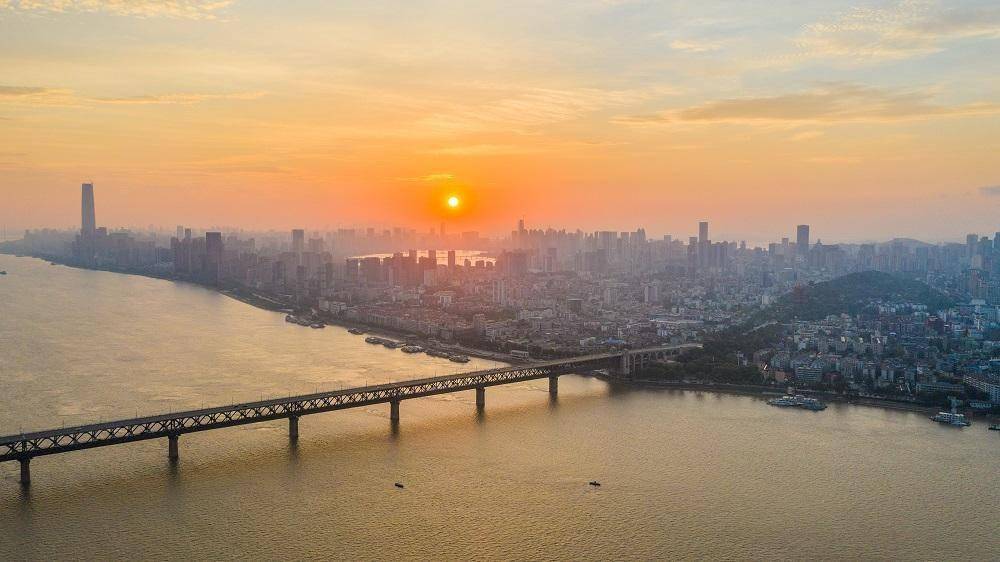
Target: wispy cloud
177 98
805 135
38 95
185 9
691 46
829 103
906 29
536 107
430 178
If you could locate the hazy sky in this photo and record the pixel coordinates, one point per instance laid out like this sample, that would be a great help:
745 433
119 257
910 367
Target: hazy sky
865 119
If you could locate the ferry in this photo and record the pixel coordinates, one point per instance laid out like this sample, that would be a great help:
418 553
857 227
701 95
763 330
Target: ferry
459 358
356 331
798 401
392 344
438 353
951 418
373 340
412 349
317 325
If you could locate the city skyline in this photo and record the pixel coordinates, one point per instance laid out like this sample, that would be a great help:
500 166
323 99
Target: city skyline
865 122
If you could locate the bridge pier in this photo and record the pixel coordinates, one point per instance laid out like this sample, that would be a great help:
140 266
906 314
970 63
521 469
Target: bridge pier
394 410
172 447
553 386
480 397
25 471
293 427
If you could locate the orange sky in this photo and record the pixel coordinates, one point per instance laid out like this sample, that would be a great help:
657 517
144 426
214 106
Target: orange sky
866 122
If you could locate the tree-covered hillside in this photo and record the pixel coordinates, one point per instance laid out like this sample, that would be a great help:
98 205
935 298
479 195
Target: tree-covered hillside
849 294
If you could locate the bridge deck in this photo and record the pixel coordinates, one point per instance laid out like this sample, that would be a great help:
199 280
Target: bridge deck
28 445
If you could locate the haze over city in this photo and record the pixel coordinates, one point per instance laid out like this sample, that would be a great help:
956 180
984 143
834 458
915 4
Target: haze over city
867 121
499 280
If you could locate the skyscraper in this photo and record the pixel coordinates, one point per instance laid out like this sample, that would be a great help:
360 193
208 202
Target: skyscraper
802 239
298 240
703 231
88 221
213 257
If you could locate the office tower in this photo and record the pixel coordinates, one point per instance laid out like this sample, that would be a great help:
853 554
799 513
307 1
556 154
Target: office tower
88 221
703 231
432 258
298 240
802 239
451 259
213 257
520 225
180 232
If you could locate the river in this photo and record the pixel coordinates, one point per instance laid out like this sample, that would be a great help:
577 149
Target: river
684 474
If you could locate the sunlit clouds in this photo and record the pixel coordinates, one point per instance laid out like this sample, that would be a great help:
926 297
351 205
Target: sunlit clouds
592 114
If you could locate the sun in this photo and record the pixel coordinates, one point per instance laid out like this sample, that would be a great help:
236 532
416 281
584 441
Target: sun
453 202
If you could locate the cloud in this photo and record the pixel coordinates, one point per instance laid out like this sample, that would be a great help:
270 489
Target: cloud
829 103
806 135
833 159
907 29
185 9
37 95
177 98
694 46
536 107
990 190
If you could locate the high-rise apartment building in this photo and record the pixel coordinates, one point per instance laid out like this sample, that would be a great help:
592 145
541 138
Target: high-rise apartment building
298 240
802 239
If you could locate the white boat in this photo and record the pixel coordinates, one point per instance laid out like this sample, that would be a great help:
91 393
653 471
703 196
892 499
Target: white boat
798 401
951 418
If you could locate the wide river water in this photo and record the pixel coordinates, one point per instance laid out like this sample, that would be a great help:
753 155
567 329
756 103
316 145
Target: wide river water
684 474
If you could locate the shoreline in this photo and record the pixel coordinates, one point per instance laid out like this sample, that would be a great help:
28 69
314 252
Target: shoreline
749 390
264 303
251 298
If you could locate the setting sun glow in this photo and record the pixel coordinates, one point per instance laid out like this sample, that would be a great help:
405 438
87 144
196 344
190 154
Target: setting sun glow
453 202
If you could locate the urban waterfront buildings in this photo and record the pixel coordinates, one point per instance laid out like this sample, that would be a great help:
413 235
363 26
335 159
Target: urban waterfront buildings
560 292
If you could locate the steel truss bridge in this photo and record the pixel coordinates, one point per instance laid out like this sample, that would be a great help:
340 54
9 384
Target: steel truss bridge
25 446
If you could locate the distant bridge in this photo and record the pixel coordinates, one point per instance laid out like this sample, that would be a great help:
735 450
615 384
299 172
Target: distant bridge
26 446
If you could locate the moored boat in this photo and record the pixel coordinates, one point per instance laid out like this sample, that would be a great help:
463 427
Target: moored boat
459 358
411 349
951 418
798 401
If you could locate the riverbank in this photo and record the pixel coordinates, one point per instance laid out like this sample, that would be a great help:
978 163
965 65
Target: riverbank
252 298
751 390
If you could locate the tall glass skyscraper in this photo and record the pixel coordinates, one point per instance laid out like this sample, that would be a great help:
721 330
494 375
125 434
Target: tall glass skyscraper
88 221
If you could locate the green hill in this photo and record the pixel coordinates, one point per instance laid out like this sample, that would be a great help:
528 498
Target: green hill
849 294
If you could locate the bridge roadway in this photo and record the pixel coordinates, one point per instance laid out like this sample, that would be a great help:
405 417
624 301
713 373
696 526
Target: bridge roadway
25 446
